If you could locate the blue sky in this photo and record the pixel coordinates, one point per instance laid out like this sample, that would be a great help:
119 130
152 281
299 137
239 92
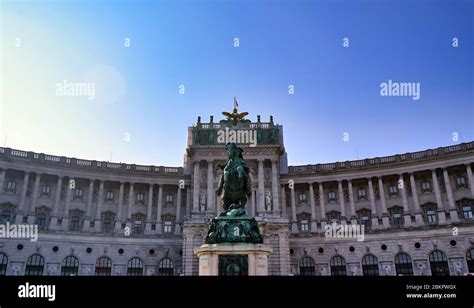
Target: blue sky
139 116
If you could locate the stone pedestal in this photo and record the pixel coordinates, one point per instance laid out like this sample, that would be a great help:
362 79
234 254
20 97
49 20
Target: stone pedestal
252 258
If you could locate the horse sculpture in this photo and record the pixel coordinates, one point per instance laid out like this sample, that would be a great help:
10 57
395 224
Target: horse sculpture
234 185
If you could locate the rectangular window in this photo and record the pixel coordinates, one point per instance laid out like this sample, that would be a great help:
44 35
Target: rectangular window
431 216
461 182
169 198
106 224
41 221
140 197
365 220
302 197
304 226
167 227
138 226
45 191
11 186
467 212
5 216
425 186
331 196
397 220
110 196
75 224
78 193
393 190
361 194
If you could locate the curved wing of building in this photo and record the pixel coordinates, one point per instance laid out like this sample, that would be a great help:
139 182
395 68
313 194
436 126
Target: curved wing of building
406 214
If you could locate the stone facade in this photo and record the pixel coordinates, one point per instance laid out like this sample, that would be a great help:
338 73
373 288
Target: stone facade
416 209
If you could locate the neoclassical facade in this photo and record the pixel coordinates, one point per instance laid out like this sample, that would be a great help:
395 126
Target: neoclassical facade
103 218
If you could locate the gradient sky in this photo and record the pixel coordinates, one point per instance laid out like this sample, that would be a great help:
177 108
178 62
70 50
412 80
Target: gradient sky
190 43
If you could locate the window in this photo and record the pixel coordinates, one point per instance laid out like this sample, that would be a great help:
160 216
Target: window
46 190
439 263
393 190
302 197
467 212
307 267
470 260
431 217
106 224
41 221
169 198
397 220
3 264
70 266
167 227
425 186
103 267
338 266
331 196
370 266
333 217
34 265
135 267
165 267
5 216
75 223
461 182
365 220
78 193
11 186
361 194
304 225
140 197
109 196
403 265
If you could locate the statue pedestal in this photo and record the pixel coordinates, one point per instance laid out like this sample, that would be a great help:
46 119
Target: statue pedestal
224 259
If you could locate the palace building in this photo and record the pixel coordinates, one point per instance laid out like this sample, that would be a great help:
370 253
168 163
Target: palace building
104 218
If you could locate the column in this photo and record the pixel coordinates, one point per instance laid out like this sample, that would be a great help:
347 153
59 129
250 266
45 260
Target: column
149 209
352 203
385 216
188 201
449 191
21 207
283 200
254 195
469 176
119 219
375 218
98 210
294 225
34 198
159 209
3 173
406 209
275 184
53 225
261 188
439 201
67 205
87 218
341 202
416 202
314 224
131 200
211 196
322 205
177 226
196 186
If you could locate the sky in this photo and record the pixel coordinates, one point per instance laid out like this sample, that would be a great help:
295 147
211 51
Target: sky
141 55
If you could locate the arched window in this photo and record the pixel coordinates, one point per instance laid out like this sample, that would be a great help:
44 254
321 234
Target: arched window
470 260
439 263
103 267
338 266
135 267
34 265
165 268
370 266
3 264
70 266
307 267
403 265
